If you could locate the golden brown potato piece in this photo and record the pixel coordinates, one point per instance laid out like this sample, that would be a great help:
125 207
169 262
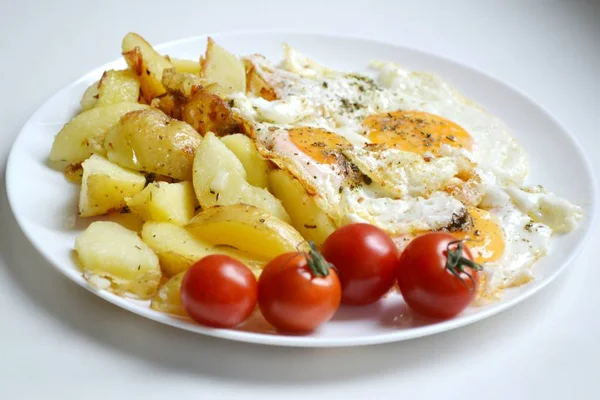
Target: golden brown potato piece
182 84
146 63
207 112
256 85
150 141
180 88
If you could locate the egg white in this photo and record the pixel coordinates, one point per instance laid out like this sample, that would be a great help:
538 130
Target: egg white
405 192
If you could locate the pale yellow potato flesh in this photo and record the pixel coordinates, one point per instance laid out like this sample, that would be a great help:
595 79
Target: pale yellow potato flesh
165 202
90 97
220 179
246 228
255 165
105 186
186 66
178 249
224 68
312 223
150 141
116 259
84 135
146 63
118 87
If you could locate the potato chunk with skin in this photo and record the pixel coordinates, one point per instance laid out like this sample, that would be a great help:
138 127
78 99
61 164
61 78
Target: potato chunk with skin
146 63
221 67
208 112
90 97
256 167
178 249
246 228
84 135
105 186
114 87
116 259
168 299
150 141
118 87
306 216
182 84
167 202
220 179
180 88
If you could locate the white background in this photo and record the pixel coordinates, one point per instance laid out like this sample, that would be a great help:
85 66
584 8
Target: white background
59 341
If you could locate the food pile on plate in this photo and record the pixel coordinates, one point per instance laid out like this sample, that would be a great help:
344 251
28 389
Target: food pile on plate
217 185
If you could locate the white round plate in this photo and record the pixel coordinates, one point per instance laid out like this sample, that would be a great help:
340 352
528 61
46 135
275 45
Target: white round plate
44 203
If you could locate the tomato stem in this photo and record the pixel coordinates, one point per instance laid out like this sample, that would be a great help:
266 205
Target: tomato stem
317 264
456 263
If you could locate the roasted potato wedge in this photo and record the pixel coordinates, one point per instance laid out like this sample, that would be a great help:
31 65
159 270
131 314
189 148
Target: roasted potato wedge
118 87
168 202
180 88
178 249
220 179
84 135
208 112
105 186
182 84
150 141
255 165
306 216
246 228
186 66
168 299
90 97
116 259
221 67
146 63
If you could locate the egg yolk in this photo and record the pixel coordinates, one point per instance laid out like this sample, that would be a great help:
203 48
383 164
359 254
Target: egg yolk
416 131
318 144
485 239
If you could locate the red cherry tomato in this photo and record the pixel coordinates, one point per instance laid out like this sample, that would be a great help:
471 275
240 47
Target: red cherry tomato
219 291
429 283
365 258
297 291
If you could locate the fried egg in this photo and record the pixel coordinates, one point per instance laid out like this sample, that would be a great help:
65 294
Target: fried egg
406 152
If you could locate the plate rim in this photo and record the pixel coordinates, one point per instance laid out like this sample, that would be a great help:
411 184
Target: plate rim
588 224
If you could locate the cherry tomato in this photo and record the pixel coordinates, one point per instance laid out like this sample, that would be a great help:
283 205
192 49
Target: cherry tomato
219 291
297 291
437 276
365 258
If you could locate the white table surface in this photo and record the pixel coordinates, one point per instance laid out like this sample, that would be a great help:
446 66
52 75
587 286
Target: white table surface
59 341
